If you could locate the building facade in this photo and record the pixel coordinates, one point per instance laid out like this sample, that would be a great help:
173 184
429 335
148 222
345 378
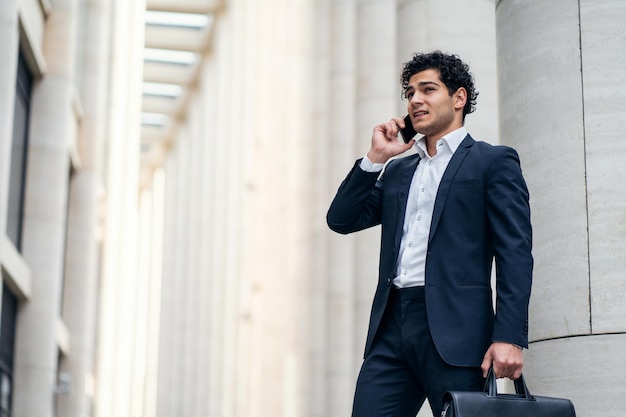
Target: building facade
166 167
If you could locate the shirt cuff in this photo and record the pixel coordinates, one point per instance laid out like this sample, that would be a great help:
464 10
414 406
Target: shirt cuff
369 166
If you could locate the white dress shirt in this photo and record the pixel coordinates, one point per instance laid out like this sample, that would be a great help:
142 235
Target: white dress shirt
410 270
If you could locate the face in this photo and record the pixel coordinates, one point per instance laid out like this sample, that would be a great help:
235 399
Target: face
433 111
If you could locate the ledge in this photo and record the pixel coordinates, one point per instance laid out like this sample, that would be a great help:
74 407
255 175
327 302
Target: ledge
15 272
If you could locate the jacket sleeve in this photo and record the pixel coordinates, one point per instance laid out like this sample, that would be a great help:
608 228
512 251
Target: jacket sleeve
357 204
508 212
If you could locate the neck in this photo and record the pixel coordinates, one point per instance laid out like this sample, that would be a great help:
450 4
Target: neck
431 146
431 140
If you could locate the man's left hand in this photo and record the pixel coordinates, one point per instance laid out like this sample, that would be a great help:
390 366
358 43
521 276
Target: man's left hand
506 358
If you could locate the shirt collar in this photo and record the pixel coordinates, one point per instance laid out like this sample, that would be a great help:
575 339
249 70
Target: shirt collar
452 140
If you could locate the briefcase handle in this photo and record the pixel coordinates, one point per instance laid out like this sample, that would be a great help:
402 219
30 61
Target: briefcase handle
491 388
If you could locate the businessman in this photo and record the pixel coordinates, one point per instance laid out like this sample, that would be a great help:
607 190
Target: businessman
446 211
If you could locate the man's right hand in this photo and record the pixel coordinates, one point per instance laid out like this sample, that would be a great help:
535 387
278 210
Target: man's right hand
385 143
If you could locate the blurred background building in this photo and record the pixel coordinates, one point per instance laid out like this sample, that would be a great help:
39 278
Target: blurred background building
166 166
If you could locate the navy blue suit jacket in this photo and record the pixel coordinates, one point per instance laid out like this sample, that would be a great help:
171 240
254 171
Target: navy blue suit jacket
481 211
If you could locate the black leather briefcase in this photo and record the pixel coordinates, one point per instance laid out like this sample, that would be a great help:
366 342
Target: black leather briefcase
491 404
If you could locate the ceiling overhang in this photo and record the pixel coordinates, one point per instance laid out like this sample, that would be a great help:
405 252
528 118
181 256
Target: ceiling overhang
178 34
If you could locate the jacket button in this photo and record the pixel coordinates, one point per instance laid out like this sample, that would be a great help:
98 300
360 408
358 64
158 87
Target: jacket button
388 282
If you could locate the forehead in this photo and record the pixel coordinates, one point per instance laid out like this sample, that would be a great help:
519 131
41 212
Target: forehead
428 76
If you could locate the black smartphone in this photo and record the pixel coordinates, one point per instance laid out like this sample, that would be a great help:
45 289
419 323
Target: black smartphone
408 132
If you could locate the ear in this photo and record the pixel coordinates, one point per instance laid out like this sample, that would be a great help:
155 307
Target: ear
460 98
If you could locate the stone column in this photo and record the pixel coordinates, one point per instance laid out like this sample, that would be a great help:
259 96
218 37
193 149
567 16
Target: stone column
376 98
340 277
9 40
194 216
562 92
153 241
181 298
226 141
320 353
209 311
53 127
119 331
276 244
210 362
167 388
240 36
81 273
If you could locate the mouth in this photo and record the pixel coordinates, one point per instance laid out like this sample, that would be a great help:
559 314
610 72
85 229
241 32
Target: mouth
419 114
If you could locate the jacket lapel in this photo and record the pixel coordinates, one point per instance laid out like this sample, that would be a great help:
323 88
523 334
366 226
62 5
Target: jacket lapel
446 181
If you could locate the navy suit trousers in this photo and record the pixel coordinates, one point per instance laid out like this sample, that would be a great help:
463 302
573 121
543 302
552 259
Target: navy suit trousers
403 367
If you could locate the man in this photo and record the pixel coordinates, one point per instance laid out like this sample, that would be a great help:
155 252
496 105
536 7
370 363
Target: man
446 212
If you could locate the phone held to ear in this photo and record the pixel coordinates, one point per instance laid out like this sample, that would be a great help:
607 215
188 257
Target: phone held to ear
408 132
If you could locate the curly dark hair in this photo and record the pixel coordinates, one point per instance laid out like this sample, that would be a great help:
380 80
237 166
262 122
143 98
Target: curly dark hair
454 73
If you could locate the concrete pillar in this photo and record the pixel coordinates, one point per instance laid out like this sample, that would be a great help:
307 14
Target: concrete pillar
53 127
300 194
276 176
213 284
9 41
153 241
167 365
148 285
86 188
188 310
243 15
118 328
340 277
79 299
323 192
560 93
197 337
181 298
228 125
194 216
205 320
376 98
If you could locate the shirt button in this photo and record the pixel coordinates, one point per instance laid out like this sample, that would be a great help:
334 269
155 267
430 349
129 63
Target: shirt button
430 162
423 189
404 272
419 217
410 244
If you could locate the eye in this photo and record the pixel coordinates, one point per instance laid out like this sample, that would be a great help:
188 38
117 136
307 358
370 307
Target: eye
408 95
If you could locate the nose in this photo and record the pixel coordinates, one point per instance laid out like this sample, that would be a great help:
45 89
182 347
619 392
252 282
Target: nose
416 98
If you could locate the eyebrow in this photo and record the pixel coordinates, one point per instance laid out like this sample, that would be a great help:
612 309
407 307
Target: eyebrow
421 84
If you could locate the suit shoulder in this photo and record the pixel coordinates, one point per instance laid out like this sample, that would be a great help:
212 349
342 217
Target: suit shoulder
495 150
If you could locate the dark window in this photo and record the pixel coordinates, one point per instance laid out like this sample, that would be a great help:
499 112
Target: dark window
19 153
7 349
